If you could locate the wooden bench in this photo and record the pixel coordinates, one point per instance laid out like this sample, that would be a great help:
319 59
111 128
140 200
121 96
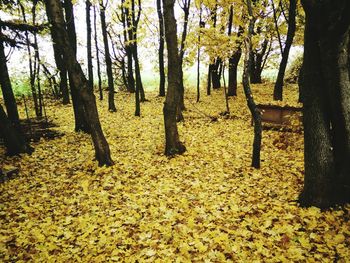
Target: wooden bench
284 118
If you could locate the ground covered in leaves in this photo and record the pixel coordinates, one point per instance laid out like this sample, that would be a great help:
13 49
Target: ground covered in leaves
206 205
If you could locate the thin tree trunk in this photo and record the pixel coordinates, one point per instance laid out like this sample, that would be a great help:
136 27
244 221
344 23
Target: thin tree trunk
88 37
55 16
278 90
128 36
111 104
250 101
172 143
198 53
97 56
161 50
186 9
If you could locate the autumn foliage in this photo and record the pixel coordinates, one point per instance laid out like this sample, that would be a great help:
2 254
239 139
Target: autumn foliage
205 205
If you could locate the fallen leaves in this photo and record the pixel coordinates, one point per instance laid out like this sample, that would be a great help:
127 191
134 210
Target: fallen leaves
206 205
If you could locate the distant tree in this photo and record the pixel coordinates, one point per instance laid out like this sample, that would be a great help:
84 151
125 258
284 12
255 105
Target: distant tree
325 84
172 144
55 15
278 90
233 59
111 103
97 56
88 43
185 6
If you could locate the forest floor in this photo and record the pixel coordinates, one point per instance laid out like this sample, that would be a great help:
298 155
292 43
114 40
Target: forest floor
205 205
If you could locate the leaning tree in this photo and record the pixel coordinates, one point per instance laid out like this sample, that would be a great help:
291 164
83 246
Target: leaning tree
325 84
85 94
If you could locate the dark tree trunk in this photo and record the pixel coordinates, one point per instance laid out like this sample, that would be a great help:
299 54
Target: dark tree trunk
13 139
37 63
135 21
81 123
186 9
88 37
209 80
234 59
172 144
6 88
58 54
278 90
111 104
55 16
325 86
161 50
257 64
128 36
199 53
215 73
138 82
62 71
232 72
246 86
97 57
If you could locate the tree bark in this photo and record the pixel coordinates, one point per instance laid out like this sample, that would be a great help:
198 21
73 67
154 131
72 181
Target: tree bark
278 90
161 50
13 139
81 123
111 104
55 16
6 88
172 144
246 86
326 96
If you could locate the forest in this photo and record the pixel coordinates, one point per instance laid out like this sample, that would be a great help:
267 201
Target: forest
174 131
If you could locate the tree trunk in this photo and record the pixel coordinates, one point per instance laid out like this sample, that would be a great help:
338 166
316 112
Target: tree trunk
186 9
209 80
88 37
62 71
278 90
161 50
216 74
246 86
172 144
97 57
13 139
6 88
55 16
81 123
128 36
232 72
325 87
135 21
257 62
111 104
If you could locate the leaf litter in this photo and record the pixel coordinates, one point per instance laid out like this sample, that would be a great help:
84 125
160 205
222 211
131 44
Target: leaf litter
207 205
